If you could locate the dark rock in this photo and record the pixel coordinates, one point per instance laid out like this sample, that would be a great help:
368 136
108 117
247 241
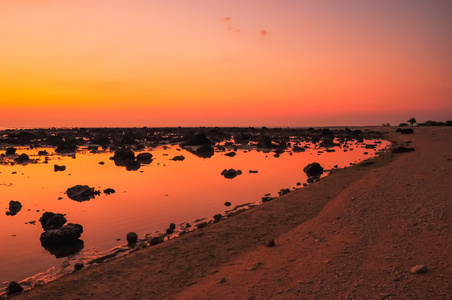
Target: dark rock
124 154
231 173
156 240
227 203
402 150
313 170
267 199
283 192
205 151
201 225
132 165
66 147
132 238
144 158
217 218
78 266
43 152
14 208
407 131
66 235
254 171
50 220
298 149
81 193
196 139
58 168
10 151
230 154
270 243
22 158
419 269
172 226
109 191
178 158
66 249
169 230
13 288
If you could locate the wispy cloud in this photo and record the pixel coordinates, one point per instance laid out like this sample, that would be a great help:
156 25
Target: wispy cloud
263 33
228 22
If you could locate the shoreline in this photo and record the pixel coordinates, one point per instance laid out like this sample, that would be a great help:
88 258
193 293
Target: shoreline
189 265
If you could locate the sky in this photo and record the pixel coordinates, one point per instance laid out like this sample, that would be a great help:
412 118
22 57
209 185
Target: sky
224 62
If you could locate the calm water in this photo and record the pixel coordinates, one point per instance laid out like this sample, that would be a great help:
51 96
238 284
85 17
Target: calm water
146 201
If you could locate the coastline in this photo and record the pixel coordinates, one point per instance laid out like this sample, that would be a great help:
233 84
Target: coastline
335 238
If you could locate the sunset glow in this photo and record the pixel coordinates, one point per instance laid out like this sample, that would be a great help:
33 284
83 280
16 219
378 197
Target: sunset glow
223 63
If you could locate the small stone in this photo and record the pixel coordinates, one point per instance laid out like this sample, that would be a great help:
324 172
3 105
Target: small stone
270 243
256 266
78 266
132 238
227 203
13 288
419 269
223 280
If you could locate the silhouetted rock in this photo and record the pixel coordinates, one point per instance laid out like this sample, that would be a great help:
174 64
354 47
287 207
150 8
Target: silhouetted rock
156 240
124 154
178 158
298 149
13 288
196 140
22 158
402 150
132 238
78 266
284 191
10 151
14 208
230 154
227 203
81 193
66 147
172 226
132 165
144 158
201 225
270 243
58 168
109 191
407 131
43 152
205 151
50 220
313 170
231 173
266 199
66 235
253 171
217 218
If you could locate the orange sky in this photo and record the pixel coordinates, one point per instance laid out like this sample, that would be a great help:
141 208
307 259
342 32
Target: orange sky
225 63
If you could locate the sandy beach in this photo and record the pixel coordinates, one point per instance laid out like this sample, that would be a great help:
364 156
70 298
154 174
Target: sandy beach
355 234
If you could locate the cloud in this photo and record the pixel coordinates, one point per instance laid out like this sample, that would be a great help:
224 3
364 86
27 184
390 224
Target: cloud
263 33
229 27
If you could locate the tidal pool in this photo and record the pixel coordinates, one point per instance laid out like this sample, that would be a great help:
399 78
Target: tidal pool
146 201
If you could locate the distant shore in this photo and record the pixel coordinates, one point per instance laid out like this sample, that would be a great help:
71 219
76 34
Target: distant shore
354 234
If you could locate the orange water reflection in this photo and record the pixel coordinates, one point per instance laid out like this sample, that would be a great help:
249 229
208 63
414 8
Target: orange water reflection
146 201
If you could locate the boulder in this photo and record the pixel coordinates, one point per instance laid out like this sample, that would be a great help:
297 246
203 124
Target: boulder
124 154
196 139
63 236
81 193
10 151
313 170
144 158
14 208
58 168
230 154
22 158
298 149
231 173
132 238
419 269
178 158
13 288
283 192
65 147
50 220
78 266
109 191
205 151
132 165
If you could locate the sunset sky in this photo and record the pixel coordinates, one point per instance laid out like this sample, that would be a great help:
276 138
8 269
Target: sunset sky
224 62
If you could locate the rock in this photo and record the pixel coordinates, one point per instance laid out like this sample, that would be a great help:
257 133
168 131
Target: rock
156 240
58 168
132 165
66 249
419 269
266 199
124 154
14 208
43 152
227 203
169 230
253 171
217 218
196 139
270 243
81 193
10 151
109 191
132 238
22 158
230 154
406 131
283 192
50 220
13 288
145 158
231 173
66 235
205 151
201 225
298 149
313 170
172 226
66 147
178 158
402 150
78 266
223 280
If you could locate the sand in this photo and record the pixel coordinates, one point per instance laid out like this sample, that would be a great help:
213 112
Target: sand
353 235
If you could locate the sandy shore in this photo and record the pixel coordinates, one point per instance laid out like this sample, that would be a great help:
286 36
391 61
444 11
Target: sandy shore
355 234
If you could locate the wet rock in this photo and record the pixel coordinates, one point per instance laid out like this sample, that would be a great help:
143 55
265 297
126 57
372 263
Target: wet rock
65 147
169 230
230 154
66 235
298 149
231 173
253 171
196 140
313 170
270 243
124 154
66 249
50 220
78 266
227 203
145 158
14 208
22 158
283 192
81 193
132 238
172 226
58 168
13 288
178 158
419 269
10 151
109 191
156 240
201 225
402 150
217 218
205 151
43 152
267 199
132 165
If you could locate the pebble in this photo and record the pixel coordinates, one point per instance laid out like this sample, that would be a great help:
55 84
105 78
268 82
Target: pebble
419 269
